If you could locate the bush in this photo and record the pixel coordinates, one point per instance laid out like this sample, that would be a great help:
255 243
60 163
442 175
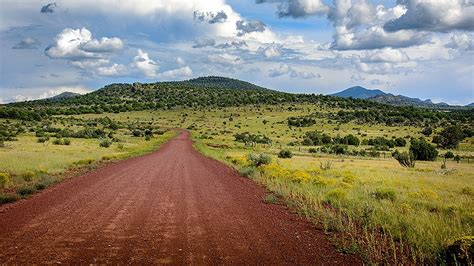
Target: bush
5 180
427 131
6 198
43 139
57 141
248 171
400 142
422 150
384 194
406 159
105 143
285 154
449 155
28 176
461 251
259 159
66 142
301 121
450 137
312 150
24 191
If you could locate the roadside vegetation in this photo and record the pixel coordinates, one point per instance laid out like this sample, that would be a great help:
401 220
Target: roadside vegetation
393 184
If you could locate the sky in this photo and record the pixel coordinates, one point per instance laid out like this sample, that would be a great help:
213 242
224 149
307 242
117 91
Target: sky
417 48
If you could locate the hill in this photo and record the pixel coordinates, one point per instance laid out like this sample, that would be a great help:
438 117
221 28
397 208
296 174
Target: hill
358 92
64 95
216 92
389 98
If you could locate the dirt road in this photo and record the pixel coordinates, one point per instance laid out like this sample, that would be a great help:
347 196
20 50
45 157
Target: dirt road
172 206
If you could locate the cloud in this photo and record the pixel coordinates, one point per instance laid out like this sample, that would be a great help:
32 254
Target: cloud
233 44
183 72
145 64
203 42
49 8
27 43
180 61
78 44
225 59
383 61
461 42
298 8
273 50
210 17
285 69
113 70
358 25
386 55
43 93
249 26
438 16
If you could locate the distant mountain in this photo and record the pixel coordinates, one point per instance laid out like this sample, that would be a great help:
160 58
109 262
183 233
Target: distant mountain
389 98
358 92
64 95
470 105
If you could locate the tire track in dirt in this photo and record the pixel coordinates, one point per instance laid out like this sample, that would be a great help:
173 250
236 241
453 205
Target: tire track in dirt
172 206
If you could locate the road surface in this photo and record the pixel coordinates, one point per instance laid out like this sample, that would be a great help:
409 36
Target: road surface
173 206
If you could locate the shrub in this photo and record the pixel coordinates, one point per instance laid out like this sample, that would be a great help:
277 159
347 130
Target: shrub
270 198
450 137
301 121
406 159
57 141
336 195
457 158
285 154
7 198
400 142
312 150
28 176
461 251
422 150
120 146
5 180
449 155
259 159
427 131
326 165
24 191
66 142
384 194
43 139
248 171
105 143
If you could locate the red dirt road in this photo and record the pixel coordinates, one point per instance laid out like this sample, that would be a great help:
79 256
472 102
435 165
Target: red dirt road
171 206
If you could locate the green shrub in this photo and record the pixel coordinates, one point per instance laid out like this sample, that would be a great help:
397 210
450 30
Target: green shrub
66 141
28 176
385 194
43 139
248 171
285 154
5 180
7 198
313 150
422 150
105 143
449 155
24 191
461 251
270 198
405 159
259 159
57 141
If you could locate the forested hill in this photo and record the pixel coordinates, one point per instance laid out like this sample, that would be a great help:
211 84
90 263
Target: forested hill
208 92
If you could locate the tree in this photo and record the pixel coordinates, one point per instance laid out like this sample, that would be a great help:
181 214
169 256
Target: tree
450 137
422 150
427 131
405 159
449 155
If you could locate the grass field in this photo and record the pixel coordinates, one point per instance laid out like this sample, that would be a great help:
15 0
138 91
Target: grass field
379 209
30 165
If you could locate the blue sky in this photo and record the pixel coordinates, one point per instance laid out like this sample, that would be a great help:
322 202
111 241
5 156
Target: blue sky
418 48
